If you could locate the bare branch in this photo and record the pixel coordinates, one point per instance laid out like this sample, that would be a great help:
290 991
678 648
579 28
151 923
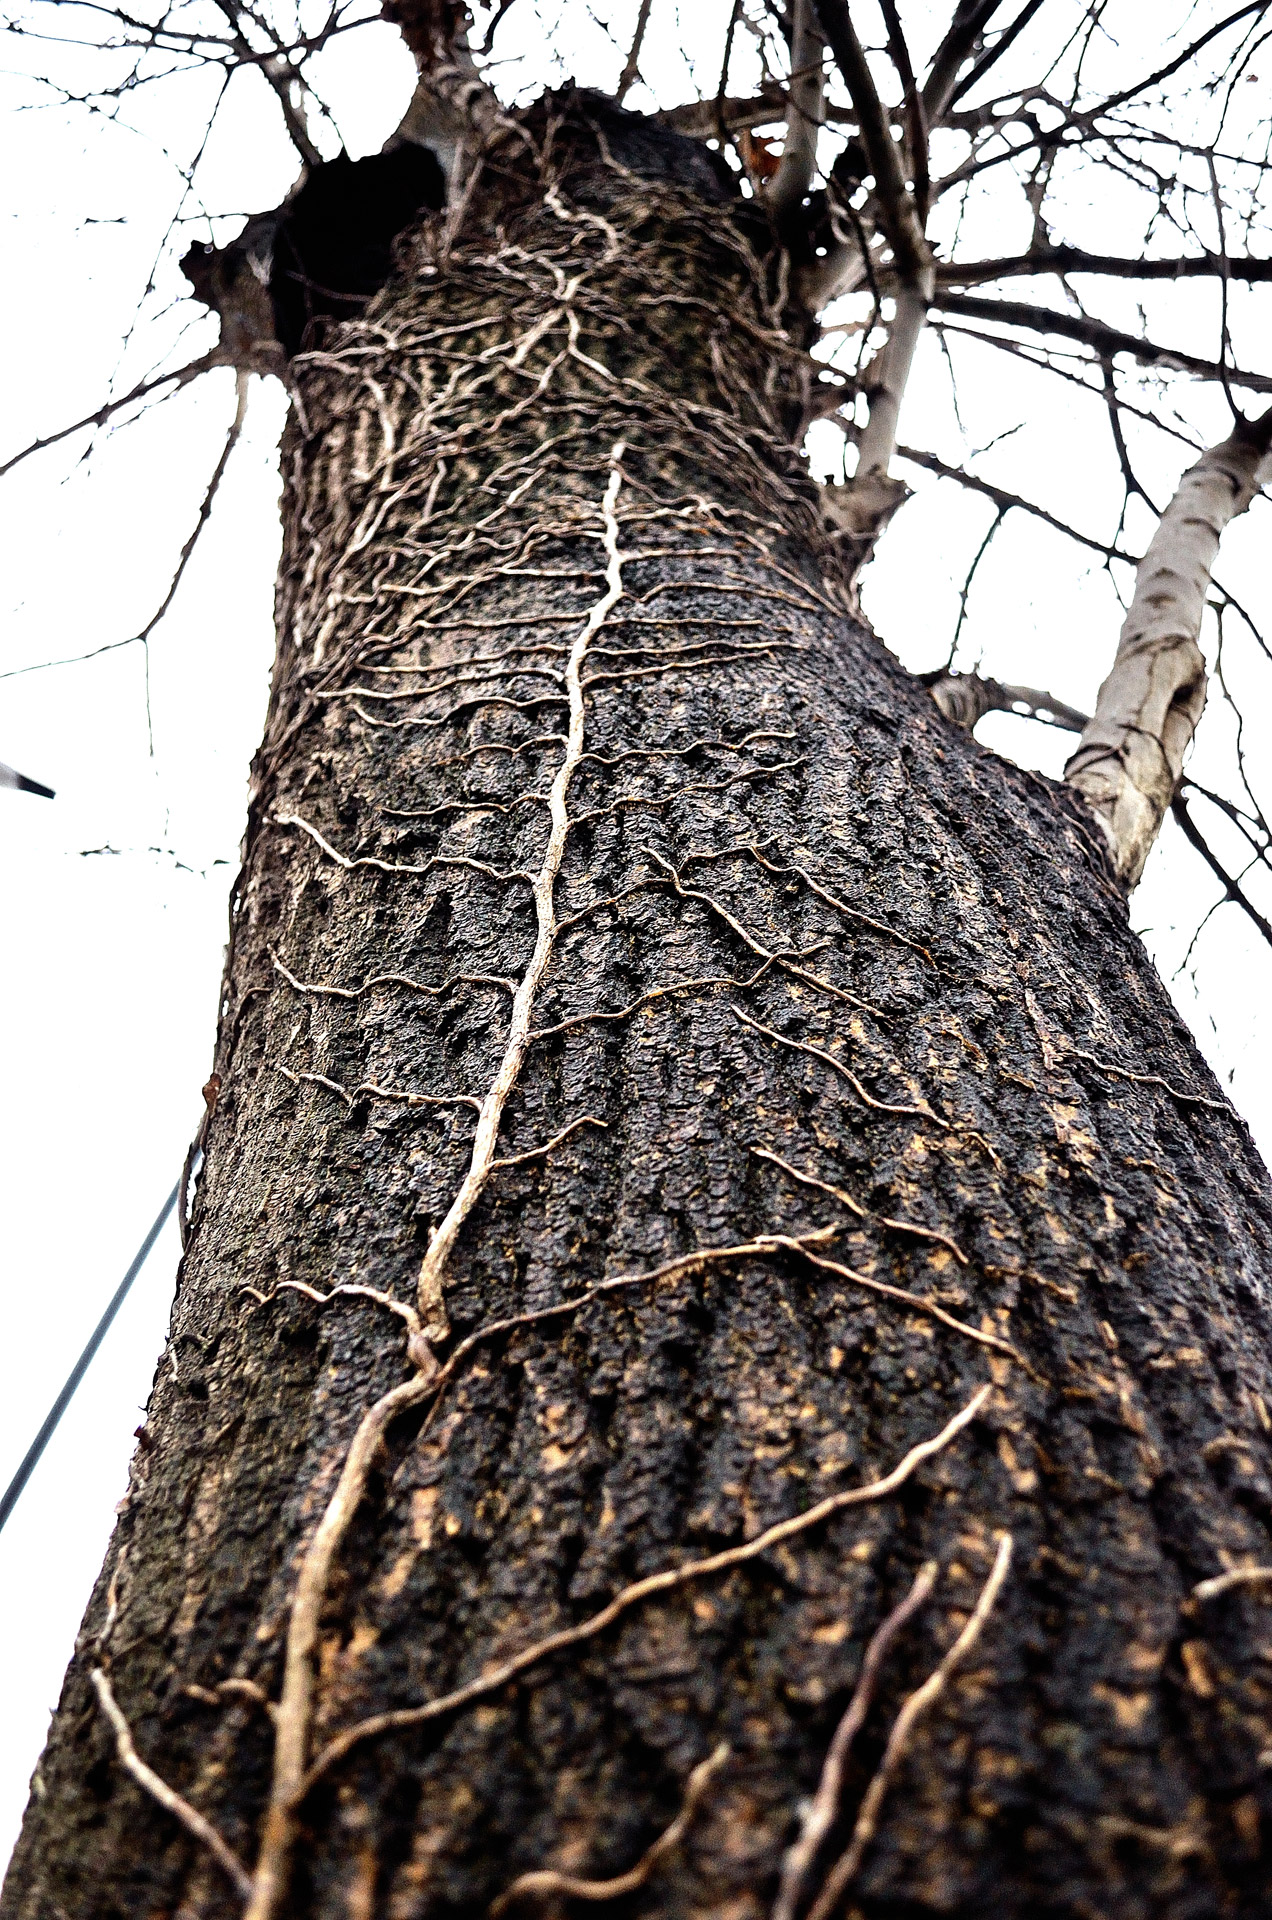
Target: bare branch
631 68
282 78
1252 8
915 118
898 214
706 119
1005 40
1095 334
1232 888
1129 759
971 17
1068 260
1002 497
205 506
178 379
966 698
901 213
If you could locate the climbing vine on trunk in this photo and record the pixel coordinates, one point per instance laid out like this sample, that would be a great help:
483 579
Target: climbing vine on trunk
720 1361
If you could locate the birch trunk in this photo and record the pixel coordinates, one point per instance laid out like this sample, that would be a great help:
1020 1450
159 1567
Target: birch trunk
955 1322
1129 760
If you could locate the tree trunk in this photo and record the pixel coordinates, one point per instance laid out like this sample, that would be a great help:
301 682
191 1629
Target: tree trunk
613 899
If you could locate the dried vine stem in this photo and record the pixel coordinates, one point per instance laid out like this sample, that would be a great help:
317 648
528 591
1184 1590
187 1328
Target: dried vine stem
429 1293
549 1146
1150 1080
172 1802
921 1305
546 1882
235 1688
294 1713
1235 1577
921 1112
435 582
352 1290
671 1577
862 1213
702 984
669 1270
830 899
823 1809
391 866
267 1885
321 990
846 1868
374 1092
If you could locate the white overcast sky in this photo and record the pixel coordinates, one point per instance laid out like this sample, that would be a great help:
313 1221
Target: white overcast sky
115 893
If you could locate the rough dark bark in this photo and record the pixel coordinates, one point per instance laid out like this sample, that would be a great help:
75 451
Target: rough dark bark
910 979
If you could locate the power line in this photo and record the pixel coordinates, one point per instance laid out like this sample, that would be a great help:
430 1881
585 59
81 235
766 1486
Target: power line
10 777
14 1489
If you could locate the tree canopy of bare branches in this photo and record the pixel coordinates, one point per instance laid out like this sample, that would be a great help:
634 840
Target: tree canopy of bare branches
918 167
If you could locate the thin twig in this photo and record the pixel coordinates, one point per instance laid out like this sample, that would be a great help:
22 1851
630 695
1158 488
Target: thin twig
631 69
1095 334
1232 888
182 376
241 380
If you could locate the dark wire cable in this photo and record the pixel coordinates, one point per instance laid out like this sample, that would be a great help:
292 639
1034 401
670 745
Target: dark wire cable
63 1401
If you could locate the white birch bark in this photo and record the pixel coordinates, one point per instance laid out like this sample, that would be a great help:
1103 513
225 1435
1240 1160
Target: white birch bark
879 438
786 190
862 507
1131 754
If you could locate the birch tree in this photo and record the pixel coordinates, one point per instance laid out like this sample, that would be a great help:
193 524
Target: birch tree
721 1361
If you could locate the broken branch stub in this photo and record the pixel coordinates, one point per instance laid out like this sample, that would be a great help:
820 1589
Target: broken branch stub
1131 754
965 698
